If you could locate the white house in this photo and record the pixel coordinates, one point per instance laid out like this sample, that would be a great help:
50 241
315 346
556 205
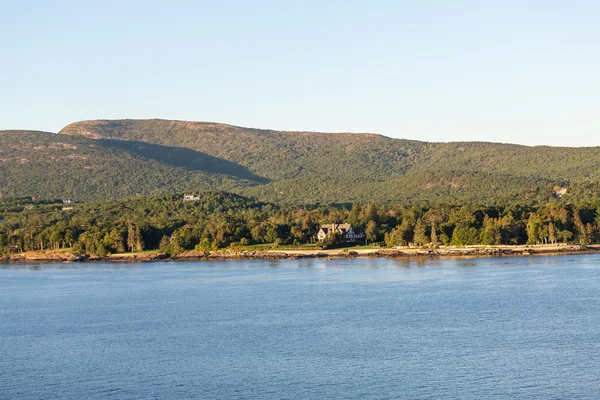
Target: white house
349 233
191 197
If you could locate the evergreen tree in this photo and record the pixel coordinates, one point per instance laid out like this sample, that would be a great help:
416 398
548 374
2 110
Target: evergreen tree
490 234
533 228
131 239
420 237
552 232
165 245
139 239
175 243
371 230
434 238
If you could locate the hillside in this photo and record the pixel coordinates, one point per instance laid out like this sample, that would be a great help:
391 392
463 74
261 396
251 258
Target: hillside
96 160
281 155
271 154
340 167
48 165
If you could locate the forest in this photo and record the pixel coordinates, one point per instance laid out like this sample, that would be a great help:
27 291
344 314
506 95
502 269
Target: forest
220 220
120 159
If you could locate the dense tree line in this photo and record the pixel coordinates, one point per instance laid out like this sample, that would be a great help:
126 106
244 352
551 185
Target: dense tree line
220 220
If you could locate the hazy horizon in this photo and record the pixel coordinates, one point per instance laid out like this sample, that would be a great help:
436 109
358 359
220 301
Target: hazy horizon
522 72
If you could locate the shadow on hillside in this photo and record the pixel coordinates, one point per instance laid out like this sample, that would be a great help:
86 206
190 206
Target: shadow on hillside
186 158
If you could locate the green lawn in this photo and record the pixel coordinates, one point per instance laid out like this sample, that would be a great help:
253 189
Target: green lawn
271 246
137 253
307 246
365 247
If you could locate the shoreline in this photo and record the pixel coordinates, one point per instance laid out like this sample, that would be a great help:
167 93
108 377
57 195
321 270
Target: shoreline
446 252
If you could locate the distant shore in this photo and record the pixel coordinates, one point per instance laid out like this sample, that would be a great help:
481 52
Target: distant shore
469 251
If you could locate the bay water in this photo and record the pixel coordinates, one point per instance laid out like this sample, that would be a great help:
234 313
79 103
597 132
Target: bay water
518 327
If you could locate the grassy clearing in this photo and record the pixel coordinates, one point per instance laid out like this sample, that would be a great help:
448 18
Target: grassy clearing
305 247
135 253
272 246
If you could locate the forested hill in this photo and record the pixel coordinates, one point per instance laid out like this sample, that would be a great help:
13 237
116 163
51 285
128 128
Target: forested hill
330 167
49 166
99 160
282 155
271 154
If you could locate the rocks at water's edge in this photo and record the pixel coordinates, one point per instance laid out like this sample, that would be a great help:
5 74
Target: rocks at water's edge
281 255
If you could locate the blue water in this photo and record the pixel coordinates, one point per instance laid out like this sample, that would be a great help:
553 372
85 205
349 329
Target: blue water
456 329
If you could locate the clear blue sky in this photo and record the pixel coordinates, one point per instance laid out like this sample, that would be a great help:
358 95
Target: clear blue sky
517 71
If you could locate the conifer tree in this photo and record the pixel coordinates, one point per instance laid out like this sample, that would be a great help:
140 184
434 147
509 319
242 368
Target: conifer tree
131 242
420 237
139 239
552 232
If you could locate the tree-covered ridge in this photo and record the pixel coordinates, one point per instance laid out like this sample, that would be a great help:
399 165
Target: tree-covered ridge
47 165
283 155
422 187
271 154
309 166
101 160
220 220
554 163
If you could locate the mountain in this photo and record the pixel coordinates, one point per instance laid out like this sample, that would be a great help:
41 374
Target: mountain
123 158
341 167
273 155
48 165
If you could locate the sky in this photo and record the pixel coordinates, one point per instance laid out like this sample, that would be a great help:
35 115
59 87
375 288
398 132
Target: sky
516 71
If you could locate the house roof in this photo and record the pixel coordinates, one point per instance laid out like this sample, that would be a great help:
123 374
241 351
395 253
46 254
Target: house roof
335 227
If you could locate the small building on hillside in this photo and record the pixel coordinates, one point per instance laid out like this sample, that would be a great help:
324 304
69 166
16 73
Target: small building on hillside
191 197
349 233
560 191
69 201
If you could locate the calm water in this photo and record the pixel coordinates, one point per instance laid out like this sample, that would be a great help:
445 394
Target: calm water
466 329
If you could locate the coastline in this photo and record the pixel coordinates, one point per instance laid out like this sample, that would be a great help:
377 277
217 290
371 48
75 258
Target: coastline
445 252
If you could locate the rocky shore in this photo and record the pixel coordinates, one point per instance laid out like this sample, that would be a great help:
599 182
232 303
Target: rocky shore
475 251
